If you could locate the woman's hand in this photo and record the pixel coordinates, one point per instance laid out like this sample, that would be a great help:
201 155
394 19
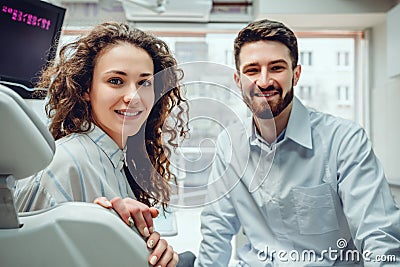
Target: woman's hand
132 212
163 254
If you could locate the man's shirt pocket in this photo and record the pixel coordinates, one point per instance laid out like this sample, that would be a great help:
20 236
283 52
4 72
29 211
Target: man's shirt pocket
315 209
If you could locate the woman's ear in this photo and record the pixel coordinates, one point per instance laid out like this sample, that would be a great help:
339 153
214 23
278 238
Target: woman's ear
86 95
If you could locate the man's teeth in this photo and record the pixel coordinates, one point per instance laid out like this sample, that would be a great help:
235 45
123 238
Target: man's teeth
266 94
128 114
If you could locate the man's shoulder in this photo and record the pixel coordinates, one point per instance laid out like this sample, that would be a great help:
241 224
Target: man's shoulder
322 120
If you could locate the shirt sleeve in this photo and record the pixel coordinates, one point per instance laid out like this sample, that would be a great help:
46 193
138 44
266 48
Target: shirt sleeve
30 195
369 207
219 221
59 182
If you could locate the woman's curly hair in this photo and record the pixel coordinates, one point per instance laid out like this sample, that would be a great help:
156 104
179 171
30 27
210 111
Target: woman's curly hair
69 77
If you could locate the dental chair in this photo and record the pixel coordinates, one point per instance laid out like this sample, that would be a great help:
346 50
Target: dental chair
69 234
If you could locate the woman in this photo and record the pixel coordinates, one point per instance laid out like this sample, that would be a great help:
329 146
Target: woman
102 89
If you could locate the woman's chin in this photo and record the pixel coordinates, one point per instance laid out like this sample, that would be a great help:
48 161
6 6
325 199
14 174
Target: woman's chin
131 131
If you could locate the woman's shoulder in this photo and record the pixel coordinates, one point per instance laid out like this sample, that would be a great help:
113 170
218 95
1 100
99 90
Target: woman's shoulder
72 139
74 147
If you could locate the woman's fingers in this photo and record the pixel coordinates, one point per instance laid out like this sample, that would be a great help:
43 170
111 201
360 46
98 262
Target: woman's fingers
102 201
141 215
135 213
163 255
132 212
174 260
122 210
154 212
158 252
153 240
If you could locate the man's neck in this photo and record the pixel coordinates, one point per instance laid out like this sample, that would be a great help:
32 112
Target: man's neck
270 129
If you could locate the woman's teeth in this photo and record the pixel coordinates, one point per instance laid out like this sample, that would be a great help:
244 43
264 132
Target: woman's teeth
128 114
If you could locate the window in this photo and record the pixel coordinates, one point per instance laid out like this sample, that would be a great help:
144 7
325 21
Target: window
184 51
305 92
306 58
343 58
229 58
343 94
325 75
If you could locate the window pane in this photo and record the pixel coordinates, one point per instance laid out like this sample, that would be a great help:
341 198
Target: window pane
331 69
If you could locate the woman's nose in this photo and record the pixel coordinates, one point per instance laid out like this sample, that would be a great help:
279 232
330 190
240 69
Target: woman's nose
132 95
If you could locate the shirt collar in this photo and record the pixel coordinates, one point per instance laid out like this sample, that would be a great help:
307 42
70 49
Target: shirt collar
298 128
108 146
299 125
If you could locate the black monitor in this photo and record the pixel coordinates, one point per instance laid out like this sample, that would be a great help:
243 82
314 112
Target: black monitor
28 29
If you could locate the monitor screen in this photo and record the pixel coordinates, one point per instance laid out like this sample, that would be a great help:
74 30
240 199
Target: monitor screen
28 30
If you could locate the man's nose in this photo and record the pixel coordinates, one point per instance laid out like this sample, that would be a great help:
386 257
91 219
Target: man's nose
264 80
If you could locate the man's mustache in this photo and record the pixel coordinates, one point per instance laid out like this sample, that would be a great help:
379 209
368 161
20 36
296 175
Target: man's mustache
269 88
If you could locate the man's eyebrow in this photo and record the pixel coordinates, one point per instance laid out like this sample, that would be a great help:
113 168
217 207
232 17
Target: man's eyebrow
279 61
254 64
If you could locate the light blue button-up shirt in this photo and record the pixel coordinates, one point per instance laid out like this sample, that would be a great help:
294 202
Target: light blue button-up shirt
85 166
316 198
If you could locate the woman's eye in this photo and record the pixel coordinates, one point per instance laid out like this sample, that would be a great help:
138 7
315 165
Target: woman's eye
145 83
115 81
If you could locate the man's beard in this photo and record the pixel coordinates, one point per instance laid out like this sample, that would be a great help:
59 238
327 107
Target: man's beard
266 110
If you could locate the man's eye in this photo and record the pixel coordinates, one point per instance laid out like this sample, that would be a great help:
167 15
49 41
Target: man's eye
115 81
145 83
253 70
277 68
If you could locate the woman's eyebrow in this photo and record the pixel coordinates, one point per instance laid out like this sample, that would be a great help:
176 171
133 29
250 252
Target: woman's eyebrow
145 74
116 72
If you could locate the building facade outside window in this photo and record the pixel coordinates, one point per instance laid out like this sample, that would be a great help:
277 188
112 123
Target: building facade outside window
305 92
306 58
343 58
344 96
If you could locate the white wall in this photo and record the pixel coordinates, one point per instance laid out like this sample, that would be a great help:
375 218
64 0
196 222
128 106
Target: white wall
385 105
393 41
316 14
323 7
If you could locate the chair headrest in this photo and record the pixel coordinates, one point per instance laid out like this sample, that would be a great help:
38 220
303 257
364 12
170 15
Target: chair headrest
26 145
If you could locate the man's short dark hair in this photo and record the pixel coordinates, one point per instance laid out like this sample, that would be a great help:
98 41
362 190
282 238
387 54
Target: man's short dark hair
267 30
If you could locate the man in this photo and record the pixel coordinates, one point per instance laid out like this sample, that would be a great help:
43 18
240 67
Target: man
305 186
